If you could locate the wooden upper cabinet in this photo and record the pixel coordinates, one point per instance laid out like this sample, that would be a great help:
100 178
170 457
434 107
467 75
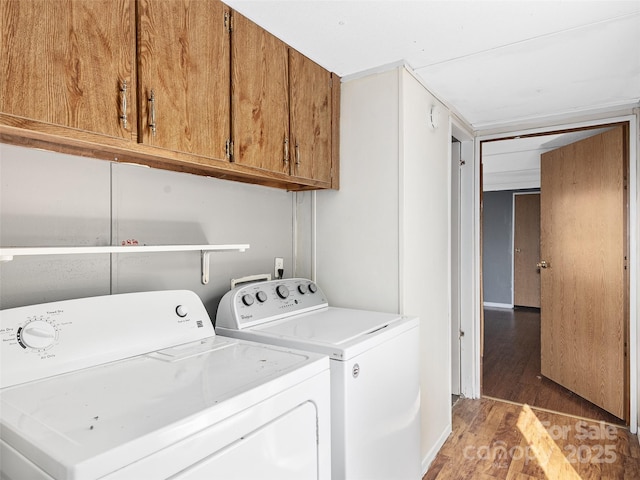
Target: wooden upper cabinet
282 106
310 95
65 63
184 85
260 97
184 75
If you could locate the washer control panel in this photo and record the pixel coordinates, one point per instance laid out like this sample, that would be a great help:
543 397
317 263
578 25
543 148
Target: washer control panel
263 302
38 341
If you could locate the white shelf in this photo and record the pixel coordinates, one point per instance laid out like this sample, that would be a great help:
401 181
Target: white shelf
8 253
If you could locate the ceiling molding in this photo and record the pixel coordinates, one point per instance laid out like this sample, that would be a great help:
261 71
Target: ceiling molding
511 180
570 116
375 70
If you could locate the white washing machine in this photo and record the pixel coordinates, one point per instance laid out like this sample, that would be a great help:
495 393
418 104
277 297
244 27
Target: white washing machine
138 386
375 392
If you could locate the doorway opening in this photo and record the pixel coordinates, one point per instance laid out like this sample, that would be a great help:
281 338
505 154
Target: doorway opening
511 328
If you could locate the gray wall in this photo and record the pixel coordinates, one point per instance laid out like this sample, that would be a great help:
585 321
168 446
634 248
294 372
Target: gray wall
51 199
497 255
497 247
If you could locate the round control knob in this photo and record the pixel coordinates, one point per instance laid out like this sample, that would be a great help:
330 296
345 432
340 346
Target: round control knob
247 299
302 289
261 296
282 291
182 311
313 288
38 334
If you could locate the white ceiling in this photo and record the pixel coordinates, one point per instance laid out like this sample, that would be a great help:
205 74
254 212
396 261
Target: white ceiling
514 164
492 62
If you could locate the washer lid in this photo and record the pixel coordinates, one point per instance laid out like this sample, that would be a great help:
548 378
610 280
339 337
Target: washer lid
91 422
338 332
334 326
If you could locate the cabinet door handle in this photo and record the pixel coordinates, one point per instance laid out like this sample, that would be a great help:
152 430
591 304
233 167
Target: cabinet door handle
286 150
152 113
123 104
297 154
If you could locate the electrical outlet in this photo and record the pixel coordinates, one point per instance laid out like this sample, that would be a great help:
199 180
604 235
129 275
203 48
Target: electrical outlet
279 265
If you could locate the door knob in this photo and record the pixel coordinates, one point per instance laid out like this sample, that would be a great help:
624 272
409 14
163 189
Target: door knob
542 264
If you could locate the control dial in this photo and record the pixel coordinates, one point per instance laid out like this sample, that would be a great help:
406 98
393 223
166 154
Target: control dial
182 311
313 288
38 334
282 291
247 299
261 296
302 289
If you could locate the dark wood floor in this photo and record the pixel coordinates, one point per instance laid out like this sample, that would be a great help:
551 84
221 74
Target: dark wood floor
511 366
492 439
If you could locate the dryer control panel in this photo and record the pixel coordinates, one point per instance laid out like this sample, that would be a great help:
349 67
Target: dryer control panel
264 302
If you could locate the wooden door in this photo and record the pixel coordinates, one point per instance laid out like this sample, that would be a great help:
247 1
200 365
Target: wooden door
526 251
65 63
184 59
310 118
583 229
260 97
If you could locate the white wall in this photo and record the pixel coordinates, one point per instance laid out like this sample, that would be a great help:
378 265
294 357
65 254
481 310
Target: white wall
51 199
426 253
382 241
357 240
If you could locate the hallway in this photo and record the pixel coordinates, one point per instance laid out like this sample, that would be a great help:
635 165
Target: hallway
511 366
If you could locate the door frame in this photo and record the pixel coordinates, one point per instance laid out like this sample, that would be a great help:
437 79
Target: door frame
466 295
472 325
456 165
513 241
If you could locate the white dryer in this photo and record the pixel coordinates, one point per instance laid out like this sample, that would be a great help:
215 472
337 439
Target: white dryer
138 386
375 392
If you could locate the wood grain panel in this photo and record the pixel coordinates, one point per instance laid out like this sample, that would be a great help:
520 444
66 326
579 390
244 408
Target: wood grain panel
28 133
260 97
526 242
335 131
65 60
310 118
184 57
511 367
499 440
583 290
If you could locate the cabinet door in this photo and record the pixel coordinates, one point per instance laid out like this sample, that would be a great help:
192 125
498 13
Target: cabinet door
260 98
183 60
66 61
310 90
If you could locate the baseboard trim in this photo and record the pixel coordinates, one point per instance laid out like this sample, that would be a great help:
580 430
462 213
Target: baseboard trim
497 305
433 452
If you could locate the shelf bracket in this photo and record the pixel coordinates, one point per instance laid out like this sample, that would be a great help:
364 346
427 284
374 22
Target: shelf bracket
204 255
